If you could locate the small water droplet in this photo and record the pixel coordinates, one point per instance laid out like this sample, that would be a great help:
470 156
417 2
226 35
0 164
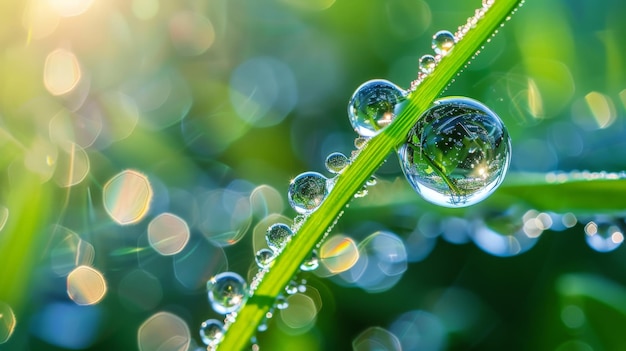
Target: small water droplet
374 105
361 193
291 288
427 64
307 191
371 182
311 263
262 327
359 142
441 171
278 235
211 332
443 42
336 162
282 303
264 258
227 292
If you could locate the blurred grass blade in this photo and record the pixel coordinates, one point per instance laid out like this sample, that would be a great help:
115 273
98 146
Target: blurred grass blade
576 193
239 333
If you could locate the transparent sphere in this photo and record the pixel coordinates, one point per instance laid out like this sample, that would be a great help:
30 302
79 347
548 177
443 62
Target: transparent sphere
307 191
427 64
374 105
211 332
443 42
227 291
277 236
264 258
457 154
336 162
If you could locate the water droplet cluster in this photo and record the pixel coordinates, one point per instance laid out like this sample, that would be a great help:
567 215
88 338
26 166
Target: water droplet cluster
457 153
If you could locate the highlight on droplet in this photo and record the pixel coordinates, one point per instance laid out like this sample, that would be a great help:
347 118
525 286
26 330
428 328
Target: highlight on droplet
127 197
7 322
61 72
163 331
168 234
86 286
339 253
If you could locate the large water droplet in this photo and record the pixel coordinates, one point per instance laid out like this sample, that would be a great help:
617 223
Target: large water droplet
227 292
427 64
457 153
336 162
307 191
443 42
211 332
374 105
278 235
264 258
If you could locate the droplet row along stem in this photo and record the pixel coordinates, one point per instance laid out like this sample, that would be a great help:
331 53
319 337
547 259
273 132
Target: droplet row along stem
355 175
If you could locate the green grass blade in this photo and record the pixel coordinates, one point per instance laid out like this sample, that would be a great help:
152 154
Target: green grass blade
239 333
581 193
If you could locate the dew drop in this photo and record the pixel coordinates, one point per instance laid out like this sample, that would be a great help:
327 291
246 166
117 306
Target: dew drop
211 332
361 193
278 235
427 64
443 42
336 162
374 105
311 263
282 303
371 182
291 288
227 292
264 258
359 142
307 191
436 157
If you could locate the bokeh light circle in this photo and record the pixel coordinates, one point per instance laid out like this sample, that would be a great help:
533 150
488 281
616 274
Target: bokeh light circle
86 286
163 331
7 322
127 197
168 234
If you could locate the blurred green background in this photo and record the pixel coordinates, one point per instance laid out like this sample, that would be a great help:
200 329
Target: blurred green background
113 113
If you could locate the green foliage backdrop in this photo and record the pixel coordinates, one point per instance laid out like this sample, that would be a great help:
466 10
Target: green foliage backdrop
211 99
